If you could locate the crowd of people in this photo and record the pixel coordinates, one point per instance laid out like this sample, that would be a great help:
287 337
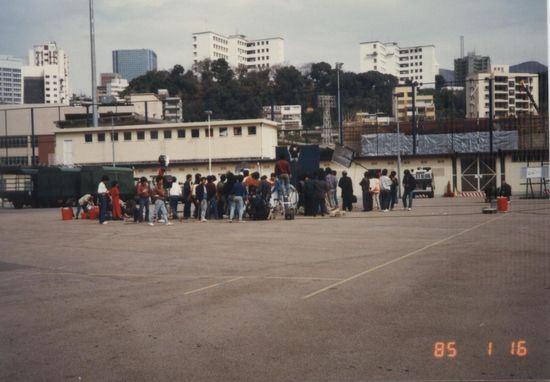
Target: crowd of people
246 195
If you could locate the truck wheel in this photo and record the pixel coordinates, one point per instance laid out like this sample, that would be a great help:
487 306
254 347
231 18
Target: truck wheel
17 204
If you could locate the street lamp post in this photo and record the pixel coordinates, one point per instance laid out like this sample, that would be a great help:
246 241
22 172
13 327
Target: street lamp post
396 114
209 113
340 132
92 50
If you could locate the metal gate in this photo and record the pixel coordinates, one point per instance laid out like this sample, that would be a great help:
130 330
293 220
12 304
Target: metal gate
478 173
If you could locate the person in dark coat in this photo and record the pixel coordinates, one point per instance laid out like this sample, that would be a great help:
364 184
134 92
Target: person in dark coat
409 184
187 190
320 193
309 196
346 186
367 195
393 189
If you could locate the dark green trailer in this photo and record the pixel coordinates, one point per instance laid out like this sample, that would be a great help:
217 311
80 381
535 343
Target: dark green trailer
90 176
57 186
17 185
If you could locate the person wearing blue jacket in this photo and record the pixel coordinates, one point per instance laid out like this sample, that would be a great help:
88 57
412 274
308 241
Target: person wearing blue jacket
238 193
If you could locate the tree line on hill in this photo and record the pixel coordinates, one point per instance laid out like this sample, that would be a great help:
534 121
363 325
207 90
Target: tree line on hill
241 94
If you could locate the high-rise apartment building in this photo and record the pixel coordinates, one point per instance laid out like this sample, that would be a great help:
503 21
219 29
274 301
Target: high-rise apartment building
470 64
10 80
46 78
415 63
237 50
132 63
509 96
424 105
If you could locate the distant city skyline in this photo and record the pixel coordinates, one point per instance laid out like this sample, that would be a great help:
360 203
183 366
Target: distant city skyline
509 31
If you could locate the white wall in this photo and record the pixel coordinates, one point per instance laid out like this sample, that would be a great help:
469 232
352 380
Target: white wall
260 145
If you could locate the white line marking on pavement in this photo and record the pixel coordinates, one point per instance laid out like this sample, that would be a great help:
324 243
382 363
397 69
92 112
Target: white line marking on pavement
400 258
300 278
211 286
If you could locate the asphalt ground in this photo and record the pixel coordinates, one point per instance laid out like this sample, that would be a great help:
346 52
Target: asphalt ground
442 292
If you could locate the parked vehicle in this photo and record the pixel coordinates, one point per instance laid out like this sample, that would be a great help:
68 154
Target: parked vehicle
424 182
58 186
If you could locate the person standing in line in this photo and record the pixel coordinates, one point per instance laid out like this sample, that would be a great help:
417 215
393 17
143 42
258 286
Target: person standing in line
187 189
393 189
196 203
159 196
332 186
175 196
335 192
385 191
238 192
367 195
220 197
211 189
347 191
102 196
375 189
409 184
115 200
144 192
309 196
202 199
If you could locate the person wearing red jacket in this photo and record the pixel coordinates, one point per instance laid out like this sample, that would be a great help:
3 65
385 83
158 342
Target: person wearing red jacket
115 200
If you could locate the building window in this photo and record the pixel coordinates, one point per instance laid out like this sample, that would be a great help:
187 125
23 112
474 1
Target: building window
206 132
114 136
127 135
251 130
167 134
141 135
195 133
237 131
154 135
87 138
101 137
181 133
223 131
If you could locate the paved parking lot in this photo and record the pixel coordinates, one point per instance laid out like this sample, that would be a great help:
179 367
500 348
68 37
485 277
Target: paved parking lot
442 292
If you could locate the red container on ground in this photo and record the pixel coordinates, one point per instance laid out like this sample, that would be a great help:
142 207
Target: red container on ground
93 213
502 204
67 213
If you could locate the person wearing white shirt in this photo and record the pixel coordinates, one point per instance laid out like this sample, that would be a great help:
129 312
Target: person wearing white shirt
175 197
385 190
102 195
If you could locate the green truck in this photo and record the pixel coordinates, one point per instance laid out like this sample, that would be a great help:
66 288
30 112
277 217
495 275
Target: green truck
59 186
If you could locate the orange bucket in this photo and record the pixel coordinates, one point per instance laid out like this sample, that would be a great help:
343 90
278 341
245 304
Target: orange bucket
93 213
67 213
502 204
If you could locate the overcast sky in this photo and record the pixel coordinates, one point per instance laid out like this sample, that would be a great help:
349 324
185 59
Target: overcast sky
509 31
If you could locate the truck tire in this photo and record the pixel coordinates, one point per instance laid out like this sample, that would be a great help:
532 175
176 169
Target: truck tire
17 204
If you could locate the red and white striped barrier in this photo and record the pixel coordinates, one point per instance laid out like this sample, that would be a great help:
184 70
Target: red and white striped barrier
472 194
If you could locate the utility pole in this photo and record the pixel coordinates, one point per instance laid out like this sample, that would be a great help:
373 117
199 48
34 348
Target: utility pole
209 113
413 87
491 157
398 145
340 131
92 49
